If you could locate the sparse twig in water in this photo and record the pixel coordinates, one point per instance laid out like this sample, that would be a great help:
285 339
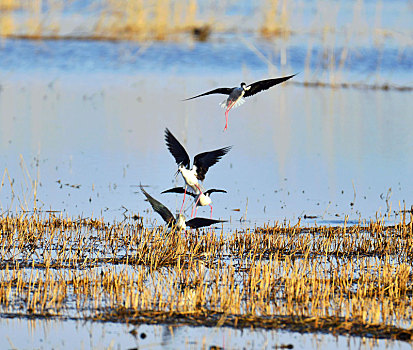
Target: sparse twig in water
388 203
244 217
354 190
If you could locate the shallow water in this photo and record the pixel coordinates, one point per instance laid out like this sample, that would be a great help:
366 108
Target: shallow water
226 54
86 120
296 151
95 335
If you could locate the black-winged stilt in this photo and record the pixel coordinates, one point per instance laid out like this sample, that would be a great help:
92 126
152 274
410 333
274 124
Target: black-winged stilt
202 162
237 94
180 221
201 199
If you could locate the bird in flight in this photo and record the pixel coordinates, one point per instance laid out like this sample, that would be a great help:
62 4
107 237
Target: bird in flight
201 199
202 162
180 221
236 94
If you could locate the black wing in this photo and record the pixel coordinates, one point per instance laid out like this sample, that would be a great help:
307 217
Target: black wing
223 91
205 160
201 222
176 149
212 190
258 86
159 208
179 190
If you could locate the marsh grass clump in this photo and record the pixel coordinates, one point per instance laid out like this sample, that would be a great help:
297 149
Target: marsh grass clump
276 19
349 279
164 19
112 20
145 20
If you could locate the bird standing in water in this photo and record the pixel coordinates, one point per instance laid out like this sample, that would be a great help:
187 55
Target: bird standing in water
180 221
237 94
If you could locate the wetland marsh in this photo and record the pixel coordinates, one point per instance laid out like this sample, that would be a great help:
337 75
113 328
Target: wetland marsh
317 250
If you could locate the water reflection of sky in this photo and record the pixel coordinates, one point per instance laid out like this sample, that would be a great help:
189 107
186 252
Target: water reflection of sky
296 150
41 334
365 62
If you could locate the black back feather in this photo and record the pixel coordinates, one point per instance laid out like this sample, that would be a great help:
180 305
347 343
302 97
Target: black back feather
258 86
212 190
179 190
203 161
202 222
159 208
223 91
176 149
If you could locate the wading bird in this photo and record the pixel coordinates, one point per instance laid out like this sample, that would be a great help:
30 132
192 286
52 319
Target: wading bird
202 162
237 94
201 199
179 221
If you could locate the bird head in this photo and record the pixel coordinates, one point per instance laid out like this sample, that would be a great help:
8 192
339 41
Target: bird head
243 85
180 168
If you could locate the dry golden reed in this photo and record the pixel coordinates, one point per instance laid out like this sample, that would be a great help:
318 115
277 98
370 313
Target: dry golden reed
163 19
347 278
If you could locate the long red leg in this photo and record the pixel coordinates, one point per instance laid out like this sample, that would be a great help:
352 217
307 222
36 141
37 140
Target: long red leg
226 114
211 210
195 206
226 119
196 203
200 191
192 212
197 200
182 206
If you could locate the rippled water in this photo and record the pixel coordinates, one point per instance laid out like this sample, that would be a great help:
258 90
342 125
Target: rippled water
88 335
371 64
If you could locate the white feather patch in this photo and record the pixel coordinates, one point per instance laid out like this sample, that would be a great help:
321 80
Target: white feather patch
239 102
224 104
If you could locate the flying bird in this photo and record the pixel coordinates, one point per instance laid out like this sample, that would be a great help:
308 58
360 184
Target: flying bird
202 162
201 199
237 94
180 221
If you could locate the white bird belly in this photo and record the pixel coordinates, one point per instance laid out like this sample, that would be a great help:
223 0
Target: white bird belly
204 200
190 178
227 103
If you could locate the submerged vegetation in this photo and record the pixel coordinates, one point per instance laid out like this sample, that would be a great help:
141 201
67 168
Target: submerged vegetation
348 280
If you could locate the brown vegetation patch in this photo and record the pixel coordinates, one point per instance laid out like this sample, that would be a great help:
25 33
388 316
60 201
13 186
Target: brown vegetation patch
353 279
